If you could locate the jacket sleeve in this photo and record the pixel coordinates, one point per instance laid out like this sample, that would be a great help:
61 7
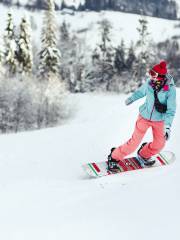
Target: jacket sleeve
171 106
140 92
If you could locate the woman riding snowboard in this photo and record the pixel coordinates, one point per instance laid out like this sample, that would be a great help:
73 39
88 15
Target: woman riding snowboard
157 112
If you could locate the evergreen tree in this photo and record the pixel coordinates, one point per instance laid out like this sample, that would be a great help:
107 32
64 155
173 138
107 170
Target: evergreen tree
64 36
95 56
65 44
24 53
119 61
63 4
123 80
142 45
10 47
49 54
81 6
131 57
77 65
1 62
103 68
93 71
72 62
131 61
40 4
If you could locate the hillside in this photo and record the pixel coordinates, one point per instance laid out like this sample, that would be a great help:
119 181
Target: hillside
85 24
45 195
162 8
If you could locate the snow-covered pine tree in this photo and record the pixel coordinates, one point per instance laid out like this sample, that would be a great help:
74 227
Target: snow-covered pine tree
49 54
131 68
10 47
73 51
64 36
107 52
93 73
131 57
51 89
77 64
103 68
1 61
65 44
24 52
120 75
119 61
142 45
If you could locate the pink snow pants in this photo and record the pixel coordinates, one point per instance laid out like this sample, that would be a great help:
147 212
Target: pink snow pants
149 149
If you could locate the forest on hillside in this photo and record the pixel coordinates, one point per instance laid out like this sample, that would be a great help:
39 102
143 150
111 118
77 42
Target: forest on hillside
161 8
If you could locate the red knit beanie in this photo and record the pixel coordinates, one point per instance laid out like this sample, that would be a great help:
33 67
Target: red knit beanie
160 68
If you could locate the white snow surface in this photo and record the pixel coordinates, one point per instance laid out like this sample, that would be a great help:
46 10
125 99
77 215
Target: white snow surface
45 195
85 24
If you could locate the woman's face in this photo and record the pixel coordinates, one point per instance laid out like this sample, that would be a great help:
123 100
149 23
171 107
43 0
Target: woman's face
155 76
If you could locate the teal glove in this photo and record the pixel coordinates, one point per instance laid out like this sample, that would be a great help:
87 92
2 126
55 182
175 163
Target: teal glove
128 101
167 132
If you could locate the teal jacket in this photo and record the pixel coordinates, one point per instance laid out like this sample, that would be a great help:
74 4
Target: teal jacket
166 96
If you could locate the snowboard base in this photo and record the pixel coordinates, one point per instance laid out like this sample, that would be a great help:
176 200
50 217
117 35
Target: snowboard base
100 169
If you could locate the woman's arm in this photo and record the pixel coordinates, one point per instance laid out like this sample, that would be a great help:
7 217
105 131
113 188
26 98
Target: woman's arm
139 93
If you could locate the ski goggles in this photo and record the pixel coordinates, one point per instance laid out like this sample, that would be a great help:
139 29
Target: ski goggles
155 75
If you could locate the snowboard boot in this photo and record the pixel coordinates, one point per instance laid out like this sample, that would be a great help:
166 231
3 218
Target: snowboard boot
112 163
144 161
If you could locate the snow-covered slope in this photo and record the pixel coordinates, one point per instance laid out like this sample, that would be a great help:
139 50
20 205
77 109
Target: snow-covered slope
74 3
45 195
124 25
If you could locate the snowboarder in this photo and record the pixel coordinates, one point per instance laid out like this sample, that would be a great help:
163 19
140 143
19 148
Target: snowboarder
157 112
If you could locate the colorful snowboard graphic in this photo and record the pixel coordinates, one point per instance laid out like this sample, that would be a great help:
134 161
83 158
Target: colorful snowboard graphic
99 169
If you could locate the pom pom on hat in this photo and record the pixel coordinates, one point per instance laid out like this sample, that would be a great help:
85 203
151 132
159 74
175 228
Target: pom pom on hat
163 64
160 68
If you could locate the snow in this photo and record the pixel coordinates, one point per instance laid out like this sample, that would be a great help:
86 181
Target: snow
124 25
74 3
44 193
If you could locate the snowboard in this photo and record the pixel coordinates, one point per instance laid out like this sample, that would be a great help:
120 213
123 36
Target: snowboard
100 169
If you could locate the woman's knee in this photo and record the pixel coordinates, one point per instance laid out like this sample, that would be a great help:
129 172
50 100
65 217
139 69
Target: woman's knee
158 145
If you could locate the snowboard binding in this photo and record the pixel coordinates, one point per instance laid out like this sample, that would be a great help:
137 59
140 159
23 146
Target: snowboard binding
144 161
113 165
